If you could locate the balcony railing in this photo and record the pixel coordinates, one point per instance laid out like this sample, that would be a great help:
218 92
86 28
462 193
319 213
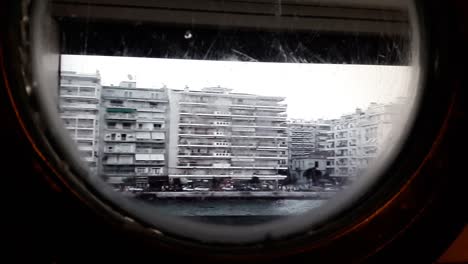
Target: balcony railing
195 154
122 116
112 162
78 106
84 95
119 151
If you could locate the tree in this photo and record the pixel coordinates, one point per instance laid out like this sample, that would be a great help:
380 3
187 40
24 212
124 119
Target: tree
255 180
215 183
177 184
313 175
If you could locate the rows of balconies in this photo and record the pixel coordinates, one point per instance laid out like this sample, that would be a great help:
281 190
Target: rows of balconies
228 166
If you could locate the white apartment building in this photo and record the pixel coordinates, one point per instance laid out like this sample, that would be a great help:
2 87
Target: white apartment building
216 133
307 137
134 134
357 138
79 100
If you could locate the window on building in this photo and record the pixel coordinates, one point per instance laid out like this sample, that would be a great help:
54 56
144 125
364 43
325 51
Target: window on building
116 102
141 170
123 136
111 124
127 125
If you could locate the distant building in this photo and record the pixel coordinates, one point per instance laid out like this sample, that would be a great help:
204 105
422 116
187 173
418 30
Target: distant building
314 161
216 133
358 138
134 134
79 100
307 137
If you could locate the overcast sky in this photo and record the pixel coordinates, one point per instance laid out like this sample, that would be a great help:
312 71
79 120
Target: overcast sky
312 90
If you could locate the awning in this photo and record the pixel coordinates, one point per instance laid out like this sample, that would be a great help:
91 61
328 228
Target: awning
120 110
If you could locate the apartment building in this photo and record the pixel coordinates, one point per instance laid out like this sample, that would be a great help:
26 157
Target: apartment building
307 137
134 134
79 100
357 139
216 133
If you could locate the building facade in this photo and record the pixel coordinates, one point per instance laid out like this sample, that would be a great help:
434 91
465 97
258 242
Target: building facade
216 133
357 139
134 134
79 100
307 137
300 166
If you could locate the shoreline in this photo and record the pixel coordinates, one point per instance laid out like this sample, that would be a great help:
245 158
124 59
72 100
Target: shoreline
234 195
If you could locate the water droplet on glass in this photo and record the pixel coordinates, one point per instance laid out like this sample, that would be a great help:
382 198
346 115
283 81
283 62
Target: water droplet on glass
188 34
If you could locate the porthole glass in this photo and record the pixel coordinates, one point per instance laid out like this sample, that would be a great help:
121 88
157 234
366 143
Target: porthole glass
235 113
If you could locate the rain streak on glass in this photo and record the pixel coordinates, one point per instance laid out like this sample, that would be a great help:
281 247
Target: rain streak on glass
258 120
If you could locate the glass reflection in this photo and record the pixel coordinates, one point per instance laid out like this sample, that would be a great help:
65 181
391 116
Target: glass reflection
212 138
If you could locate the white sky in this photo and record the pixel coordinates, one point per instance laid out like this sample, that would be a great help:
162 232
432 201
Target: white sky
312 90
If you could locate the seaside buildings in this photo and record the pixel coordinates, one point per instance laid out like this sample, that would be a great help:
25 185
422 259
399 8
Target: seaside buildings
140 136
79 101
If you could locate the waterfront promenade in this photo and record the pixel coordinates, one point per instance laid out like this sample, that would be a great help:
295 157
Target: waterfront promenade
323 195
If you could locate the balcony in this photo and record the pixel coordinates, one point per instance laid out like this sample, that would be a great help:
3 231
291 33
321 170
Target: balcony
205 144
201 124
150 151
157 173
83 138
258 135
185 165
77 106
89 159
204 155
113 162
120 128
267 147
79 95
119 151
207 135
242 106
80 127
271 156
85 148
121 116
205 113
